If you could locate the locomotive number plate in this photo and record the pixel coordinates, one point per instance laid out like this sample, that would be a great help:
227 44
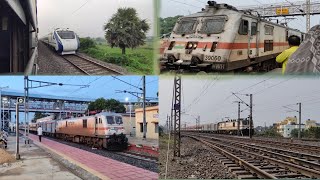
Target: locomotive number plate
219 66
213 58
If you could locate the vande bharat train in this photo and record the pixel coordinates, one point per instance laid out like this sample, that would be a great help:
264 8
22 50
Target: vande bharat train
63 41
103 130
222 38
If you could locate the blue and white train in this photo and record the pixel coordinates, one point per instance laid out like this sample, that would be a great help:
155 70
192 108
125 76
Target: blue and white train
63 41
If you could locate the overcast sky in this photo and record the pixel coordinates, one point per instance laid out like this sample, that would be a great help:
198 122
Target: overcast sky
175 7
216 102
90 18
100 86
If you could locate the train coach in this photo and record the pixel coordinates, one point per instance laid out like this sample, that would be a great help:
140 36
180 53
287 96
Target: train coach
63 41
225 127
222 38
18 36
103 130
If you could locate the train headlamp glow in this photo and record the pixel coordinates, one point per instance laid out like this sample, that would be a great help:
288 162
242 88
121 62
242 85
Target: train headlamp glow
195 45
190 45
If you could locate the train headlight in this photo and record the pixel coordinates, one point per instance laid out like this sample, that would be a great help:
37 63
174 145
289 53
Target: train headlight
195 45
189 45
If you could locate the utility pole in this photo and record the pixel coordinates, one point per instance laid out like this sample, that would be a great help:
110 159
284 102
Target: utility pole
299 133
239 106
144 108
308 6
167 124
251 121
177 115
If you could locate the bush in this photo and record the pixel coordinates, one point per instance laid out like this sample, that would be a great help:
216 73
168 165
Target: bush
86 43
269 133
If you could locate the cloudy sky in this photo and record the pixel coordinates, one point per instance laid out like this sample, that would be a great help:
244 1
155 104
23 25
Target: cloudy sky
212 99
99 86
87 17
185 7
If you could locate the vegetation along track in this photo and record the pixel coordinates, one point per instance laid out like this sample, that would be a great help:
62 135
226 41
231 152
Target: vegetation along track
247 161
89 67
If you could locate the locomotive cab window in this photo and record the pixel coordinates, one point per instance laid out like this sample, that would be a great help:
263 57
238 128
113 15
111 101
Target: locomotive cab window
186 26
84 123
244 27
110 120
119 120
254 28
268 30
97 120
213 25
268 45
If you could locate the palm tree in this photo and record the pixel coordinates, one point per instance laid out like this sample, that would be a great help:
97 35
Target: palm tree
126 30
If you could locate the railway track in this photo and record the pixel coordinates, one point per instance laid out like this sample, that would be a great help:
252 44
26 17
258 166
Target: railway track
248 160
139 157
90 67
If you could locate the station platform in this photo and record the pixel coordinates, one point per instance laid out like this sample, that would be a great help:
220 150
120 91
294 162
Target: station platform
147 146
102 167
35 163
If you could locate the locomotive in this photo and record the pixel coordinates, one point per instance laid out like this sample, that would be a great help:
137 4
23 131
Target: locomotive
225 127
222 38
63 41
103 130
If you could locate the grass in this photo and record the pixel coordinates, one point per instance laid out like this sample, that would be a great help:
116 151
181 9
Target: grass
136 61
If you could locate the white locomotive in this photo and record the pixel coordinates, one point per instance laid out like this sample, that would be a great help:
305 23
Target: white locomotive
63 41
222 38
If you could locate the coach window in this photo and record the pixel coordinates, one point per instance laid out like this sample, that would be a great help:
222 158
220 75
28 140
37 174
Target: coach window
254 28
66 123
84 122
97 120
287 35
100 121
244 27
268 30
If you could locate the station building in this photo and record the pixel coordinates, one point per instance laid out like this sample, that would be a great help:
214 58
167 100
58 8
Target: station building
152 119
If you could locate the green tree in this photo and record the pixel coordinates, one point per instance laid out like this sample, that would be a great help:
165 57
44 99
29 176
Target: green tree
38 115
115 106
86 43
126 30
167 24
109 105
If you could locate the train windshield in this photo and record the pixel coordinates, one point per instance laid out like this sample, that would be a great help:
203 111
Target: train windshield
66 34
118 120
110 120
186 26
213 26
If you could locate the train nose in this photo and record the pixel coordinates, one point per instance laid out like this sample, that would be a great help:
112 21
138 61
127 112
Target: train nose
70 45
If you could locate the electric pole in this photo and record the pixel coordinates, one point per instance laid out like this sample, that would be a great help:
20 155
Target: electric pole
251 122
299 133
177 115
308 14
239 106
144 108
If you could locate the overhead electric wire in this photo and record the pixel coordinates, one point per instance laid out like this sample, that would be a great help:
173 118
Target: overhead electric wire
185 3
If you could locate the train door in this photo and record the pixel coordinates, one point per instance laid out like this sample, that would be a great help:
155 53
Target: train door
253 45
96 125
4 42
